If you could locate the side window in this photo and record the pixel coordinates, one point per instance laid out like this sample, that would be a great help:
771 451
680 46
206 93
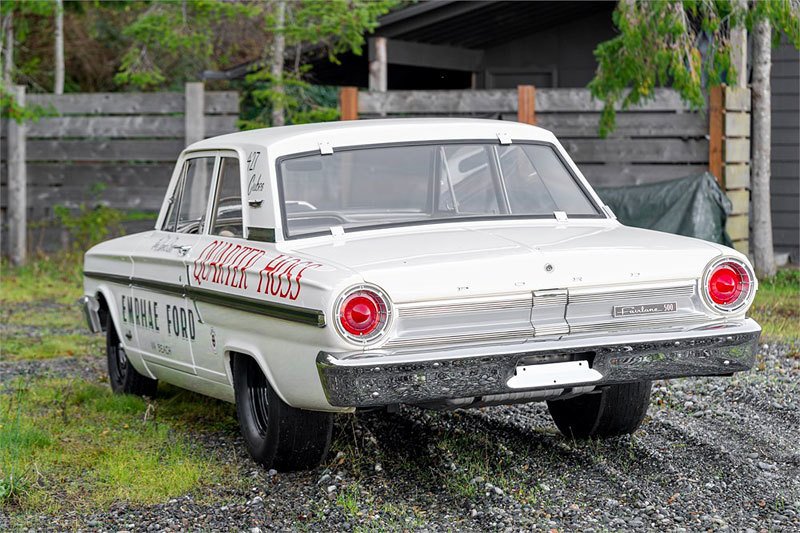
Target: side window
227 220
170 220
189 201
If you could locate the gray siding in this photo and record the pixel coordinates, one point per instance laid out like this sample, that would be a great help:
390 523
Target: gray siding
562 56
785 185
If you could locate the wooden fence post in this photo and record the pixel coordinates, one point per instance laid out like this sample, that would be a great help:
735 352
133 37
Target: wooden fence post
716 110
736 164
378 65
348 103
17 186
526 104
194 115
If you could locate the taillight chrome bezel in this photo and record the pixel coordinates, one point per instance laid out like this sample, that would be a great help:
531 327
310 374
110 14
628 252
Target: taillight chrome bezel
386 314
748 289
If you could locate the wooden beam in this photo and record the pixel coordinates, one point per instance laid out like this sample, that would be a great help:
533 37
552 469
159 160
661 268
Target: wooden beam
17 186
526 104
430 55
438 102
715 123
216 103
348 103
194 116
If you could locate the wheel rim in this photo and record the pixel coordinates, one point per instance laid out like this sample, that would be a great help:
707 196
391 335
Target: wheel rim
259 402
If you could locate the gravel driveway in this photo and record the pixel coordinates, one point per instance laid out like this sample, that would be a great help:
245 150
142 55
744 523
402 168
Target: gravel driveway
713 454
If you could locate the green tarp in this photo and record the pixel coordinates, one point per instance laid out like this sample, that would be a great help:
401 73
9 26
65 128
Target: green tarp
694 206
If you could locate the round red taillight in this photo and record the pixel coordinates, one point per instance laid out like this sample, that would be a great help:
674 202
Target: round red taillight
359 314
725 285
362 314
729 284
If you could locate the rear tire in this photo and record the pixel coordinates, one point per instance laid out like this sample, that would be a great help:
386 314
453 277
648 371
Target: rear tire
612 411
277 435
123 377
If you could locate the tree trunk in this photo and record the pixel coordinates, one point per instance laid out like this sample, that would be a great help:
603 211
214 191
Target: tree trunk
761 236
8 52
59 37
276 69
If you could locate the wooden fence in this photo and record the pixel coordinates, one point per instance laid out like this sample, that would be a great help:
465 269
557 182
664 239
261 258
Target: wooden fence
659 140
117 149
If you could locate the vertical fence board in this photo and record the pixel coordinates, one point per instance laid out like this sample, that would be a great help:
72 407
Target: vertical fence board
348 103
193 115
715 121
526 104
17 186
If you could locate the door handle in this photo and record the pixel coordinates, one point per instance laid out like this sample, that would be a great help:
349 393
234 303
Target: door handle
128 335
182 249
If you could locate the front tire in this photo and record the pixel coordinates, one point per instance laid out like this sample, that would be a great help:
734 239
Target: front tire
123 377
277 435
610 412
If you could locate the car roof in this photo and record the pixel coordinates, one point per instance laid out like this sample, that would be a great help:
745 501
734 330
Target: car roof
374 131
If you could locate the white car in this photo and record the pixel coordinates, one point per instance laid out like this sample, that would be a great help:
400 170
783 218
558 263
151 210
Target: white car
446 263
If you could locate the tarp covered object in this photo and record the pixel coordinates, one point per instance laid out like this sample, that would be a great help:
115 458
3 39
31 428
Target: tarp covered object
694 206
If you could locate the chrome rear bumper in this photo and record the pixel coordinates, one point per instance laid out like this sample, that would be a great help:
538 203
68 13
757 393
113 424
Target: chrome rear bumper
366 379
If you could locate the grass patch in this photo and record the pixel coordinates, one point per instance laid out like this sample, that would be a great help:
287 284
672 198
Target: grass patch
38 314
75 445
477 458
777 305
44 345
55 279
373 514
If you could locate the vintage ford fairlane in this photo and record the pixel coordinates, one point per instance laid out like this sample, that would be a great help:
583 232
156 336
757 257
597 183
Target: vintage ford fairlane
445 263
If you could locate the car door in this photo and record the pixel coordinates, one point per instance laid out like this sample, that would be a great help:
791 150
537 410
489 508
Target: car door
165 319
218 264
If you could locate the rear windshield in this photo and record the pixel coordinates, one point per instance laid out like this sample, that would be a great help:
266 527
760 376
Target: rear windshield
363 188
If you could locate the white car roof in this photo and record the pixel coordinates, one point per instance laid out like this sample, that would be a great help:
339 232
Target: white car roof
374 131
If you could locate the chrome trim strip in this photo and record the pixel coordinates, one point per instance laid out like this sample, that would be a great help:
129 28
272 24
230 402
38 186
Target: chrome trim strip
440 340
465 305
291 313
369 379
578 297
659 322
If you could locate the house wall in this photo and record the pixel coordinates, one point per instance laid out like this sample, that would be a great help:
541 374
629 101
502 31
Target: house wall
785 186
562 56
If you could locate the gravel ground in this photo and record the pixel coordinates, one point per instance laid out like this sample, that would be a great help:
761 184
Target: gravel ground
713 454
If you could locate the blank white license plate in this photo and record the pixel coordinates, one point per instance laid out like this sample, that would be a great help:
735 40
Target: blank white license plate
553 375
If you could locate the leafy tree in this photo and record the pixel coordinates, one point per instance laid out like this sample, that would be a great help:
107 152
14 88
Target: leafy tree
321 27
687 45
172 41
15 27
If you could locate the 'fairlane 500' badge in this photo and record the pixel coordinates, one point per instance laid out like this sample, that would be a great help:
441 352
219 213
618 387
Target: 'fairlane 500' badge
644 309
